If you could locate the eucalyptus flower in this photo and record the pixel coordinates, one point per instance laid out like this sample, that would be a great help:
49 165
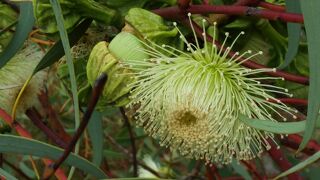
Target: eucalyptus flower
191 101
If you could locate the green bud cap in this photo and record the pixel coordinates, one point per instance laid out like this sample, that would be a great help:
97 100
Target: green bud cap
126 46
116 89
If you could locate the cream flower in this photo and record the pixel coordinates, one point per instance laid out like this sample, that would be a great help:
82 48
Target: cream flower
191 101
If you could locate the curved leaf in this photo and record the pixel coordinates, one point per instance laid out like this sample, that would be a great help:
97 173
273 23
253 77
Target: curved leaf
300 166
310 10
67 49
294 30
21 145
24 26
275 127
7 175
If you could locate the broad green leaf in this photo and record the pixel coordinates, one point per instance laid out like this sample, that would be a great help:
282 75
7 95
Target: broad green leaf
310 10
300 166
7 175
294 30
56 52
273 126
21 145
240 169
24 26
67 49
96 136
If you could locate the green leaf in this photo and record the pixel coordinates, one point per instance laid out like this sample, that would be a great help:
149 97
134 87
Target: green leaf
67 49
56 52
7 175
273 126
24 26
25 146
294 30
300 166
96 136
310 10
240 169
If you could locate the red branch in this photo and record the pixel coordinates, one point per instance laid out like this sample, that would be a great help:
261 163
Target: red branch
174 12
272 7
293 141
212 172
24 133
280 159
292 101
183 4
251 168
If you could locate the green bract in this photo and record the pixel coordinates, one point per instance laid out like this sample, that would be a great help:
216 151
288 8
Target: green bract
107 58
152 26
73 12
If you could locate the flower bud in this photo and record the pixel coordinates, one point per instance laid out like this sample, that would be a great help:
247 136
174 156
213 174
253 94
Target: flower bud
107 58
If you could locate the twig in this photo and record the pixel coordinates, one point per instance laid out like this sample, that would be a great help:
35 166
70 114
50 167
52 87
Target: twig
35 117
124 150
183 4
106 169
212 172
53 120
96 92
251 168
277 155
24 133
171 12
293 141
293 101
132 140
21 173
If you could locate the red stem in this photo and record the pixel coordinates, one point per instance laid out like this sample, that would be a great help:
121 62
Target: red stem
183 4
253 170
212 172
175 12
24 133
293 101
280 159
293 141
271 6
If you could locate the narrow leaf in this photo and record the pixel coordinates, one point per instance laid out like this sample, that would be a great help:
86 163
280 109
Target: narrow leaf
25 146
56 51
24 26
240 169
96 136
7 175
275 127
294 30
300 166
67 49
310 10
